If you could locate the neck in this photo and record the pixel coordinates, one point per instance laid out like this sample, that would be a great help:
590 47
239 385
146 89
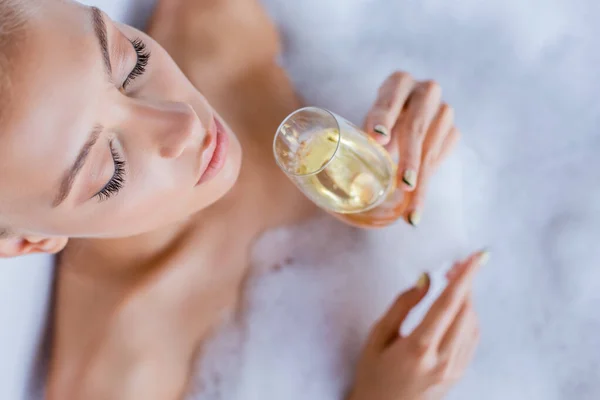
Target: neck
254 102
125 256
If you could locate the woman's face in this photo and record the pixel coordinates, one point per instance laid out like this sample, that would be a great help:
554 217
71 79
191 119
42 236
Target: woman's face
104 135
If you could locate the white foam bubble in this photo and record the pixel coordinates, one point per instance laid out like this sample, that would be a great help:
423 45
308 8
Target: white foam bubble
523 78
315 292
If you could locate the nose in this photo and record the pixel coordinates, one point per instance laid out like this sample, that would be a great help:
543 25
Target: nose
168 127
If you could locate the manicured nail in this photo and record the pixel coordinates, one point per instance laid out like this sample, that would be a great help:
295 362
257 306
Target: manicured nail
382 130
410 177
484 257
414 218
423 281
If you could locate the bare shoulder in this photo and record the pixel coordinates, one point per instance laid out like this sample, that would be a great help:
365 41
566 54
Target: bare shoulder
119 338
104 348
223 31
120 370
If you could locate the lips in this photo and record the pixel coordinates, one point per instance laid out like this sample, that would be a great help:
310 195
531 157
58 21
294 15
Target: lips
213 158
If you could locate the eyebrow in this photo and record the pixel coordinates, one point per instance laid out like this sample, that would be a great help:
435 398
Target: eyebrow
69 178
102 37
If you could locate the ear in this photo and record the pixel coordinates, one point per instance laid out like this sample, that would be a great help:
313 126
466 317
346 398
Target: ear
14 246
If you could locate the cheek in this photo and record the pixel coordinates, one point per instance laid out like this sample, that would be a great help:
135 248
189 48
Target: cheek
162 197
155 197
174 198
163 79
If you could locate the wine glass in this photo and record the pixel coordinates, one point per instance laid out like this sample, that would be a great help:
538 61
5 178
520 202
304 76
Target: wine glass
339 167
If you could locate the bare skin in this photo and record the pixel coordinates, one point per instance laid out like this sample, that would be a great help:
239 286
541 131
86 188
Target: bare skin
146 275
204 266
425 364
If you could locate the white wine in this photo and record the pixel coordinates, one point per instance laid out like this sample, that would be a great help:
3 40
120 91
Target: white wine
339 167
352 178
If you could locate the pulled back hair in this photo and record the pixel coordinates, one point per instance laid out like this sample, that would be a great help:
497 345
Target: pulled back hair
14 16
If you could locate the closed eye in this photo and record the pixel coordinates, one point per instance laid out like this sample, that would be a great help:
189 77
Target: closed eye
143 57
117 181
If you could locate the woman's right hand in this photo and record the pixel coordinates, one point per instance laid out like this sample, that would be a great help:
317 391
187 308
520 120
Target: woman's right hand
425 364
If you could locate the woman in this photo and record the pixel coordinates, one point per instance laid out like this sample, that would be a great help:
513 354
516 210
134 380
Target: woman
112 158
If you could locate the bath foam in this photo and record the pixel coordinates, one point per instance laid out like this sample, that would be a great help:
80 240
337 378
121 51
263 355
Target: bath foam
314 293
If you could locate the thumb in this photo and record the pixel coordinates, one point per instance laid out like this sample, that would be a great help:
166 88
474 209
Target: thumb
388 327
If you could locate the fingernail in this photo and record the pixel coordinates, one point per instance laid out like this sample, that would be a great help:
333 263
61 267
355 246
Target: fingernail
423 281
382 130
484 257
414 218
409 177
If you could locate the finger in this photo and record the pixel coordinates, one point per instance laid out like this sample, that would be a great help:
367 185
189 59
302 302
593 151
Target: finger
458 356
446 307
417 197
411 130
387 107
449 143
468 348
458 332
439 130
388 327
484 258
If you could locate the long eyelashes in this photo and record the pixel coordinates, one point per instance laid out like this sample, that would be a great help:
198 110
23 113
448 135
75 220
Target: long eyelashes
118 179
143 57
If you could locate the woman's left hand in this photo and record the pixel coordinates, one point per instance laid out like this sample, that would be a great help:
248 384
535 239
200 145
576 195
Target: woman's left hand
410 119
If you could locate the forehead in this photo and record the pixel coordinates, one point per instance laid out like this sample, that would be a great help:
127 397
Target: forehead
55 77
